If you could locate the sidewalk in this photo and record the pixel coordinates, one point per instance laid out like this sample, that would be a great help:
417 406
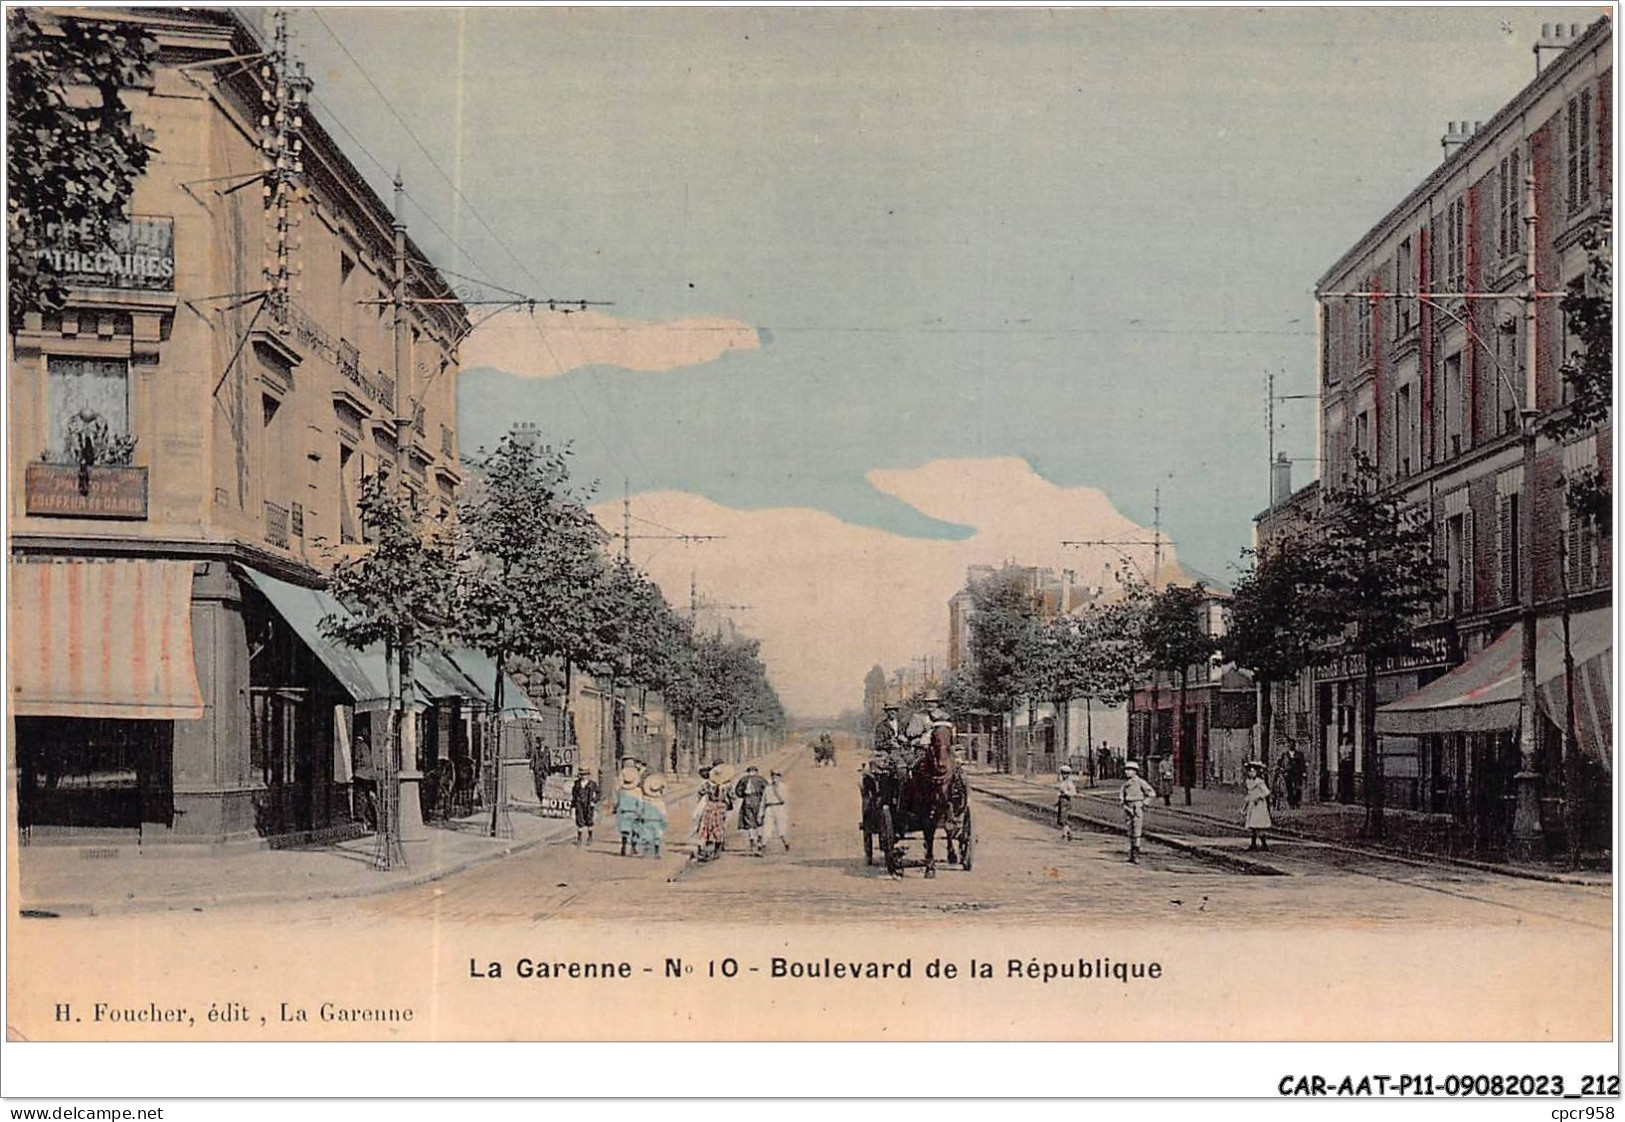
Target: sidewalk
65 879
1413 837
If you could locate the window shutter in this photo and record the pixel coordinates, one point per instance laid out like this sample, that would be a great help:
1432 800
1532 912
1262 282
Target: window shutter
1508 580
1469 600
1573 153
1585 147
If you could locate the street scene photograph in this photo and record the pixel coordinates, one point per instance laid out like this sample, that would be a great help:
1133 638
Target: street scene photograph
812 524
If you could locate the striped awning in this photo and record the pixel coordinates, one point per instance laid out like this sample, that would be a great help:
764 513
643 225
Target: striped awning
1485 693
110 639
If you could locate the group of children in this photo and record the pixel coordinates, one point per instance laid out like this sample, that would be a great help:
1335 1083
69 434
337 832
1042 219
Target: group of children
1136 792
641 818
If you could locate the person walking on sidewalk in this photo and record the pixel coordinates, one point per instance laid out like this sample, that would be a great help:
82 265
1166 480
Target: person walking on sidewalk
1135 794
1256 806
752 793
628 805
776 806
1165 779
1297 770
584 801
716 798
1066 789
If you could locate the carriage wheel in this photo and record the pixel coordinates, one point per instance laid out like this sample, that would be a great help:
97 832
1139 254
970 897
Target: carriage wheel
888 842
967 842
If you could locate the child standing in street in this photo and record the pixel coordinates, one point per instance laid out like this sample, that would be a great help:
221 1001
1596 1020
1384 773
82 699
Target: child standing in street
1255 808
1066 790
1135 794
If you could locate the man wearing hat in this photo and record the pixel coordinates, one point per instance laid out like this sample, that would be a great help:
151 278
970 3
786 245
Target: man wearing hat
1066 789
1135 794
584 800
751 791
888 732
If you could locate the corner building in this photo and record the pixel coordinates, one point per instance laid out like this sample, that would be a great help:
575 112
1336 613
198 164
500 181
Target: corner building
189 437
1429 387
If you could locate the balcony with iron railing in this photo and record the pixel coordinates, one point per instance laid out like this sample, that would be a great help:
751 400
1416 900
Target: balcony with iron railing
276 525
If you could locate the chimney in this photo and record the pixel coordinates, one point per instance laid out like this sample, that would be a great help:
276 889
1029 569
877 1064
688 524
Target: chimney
1554 37
1456 134
1280 480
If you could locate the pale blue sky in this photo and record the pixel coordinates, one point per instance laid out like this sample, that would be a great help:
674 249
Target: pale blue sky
1079 237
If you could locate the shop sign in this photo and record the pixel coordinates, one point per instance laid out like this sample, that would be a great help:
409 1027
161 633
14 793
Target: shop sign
69 491
138 254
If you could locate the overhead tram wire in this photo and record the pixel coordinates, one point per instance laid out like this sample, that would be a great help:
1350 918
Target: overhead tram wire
472 209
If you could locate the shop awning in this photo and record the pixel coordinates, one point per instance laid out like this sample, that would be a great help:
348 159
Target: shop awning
108 639
1484 694
481 669
363 674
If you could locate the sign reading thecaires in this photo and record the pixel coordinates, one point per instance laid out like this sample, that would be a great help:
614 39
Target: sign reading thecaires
138 254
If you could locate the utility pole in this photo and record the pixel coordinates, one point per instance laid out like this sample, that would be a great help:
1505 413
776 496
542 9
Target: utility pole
1156 533
1526 829
1270 398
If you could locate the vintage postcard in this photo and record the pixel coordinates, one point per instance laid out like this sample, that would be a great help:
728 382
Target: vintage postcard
812 524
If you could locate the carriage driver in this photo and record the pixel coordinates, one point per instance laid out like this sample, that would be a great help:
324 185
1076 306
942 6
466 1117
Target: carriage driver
888 732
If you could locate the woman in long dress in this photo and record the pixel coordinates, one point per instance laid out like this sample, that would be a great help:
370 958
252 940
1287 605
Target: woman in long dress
714 816
1256 807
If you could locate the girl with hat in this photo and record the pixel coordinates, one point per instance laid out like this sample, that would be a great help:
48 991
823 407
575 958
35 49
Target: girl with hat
698 810
628 805
718 800
1255 807
651 823
1066 789
776 808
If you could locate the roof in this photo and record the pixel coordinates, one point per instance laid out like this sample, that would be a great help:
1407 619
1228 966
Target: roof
1552 75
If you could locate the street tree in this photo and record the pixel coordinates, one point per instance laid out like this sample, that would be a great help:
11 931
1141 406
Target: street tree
1175 640
1279 624
73 150
529 556
1588 372
1004 620
1380 581
400 590
1114 656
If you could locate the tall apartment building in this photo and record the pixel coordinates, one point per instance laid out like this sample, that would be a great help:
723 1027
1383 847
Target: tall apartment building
1426 380
189 437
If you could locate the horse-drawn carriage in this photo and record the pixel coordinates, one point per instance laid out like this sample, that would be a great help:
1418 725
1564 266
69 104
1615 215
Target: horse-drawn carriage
899 802
824 752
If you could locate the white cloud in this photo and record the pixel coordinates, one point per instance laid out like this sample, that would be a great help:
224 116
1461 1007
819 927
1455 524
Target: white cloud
546 344
829 600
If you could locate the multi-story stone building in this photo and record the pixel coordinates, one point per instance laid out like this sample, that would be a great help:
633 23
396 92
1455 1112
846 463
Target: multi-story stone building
189 437
1423 362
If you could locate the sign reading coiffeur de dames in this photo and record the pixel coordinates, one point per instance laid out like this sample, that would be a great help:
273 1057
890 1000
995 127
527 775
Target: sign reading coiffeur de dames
67 491
138 254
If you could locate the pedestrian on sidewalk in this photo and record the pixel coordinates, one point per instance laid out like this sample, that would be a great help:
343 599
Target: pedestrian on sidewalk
628 805
1165 779
776 805
1256 806
650 834
584 800
1297 770
751 791
1065 791
1135 794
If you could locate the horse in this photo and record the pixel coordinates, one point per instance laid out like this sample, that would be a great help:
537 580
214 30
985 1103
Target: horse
938 795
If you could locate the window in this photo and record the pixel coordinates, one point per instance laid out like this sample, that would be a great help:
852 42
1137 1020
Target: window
1362 433
88 400
1579 151
1509 369
1507 233
1507 546
1459 563
1455 404
1404 281
1455 246
347 521
1579 551
1404 436
1362 329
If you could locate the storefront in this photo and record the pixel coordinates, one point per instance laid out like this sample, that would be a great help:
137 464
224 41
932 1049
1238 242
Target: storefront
101 671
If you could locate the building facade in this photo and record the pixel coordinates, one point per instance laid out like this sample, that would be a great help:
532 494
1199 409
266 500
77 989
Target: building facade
189 437
1424 355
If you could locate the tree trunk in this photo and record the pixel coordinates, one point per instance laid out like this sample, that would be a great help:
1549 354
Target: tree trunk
1063 721
499 793
1375 827
1182 751
1089 737
1032 720
1569 764
1266 716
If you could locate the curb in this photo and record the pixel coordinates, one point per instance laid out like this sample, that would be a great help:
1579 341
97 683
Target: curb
1384 852
1232 861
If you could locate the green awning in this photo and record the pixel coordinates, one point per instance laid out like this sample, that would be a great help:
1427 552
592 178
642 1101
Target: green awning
481 669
